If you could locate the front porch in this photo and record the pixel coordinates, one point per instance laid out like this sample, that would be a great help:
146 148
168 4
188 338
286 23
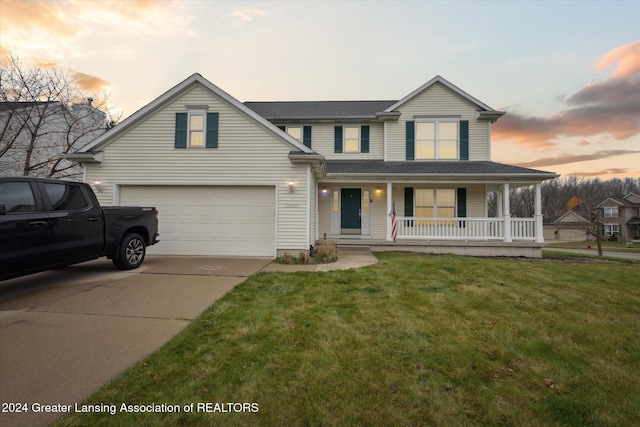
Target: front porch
469 231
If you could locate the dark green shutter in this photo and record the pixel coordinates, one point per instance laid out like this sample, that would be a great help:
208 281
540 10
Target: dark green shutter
464 140
461 195
408 204
408 201
181 131
337 133
306 136
364 139
282 128
462 202
212 130
411 140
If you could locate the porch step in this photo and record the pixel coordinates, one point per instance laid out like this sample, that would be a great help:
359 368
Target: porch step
353 250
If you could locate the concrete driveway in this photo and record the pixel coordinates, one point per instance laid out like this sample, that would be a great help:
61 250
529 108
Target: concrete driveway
65 333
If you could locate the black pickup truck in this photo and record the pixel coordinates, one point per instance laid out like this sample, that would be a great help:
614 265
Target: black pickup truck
49 223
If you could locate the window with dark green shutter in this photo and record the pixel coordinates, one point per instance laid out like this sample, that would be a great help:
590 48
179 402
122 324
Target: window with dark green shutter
337 139
196 129
464 140
181 130
364 139
410 140
212 130
306 136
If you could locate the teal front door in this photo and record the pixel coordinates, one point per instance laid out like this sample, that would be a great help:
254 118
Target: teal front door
350 210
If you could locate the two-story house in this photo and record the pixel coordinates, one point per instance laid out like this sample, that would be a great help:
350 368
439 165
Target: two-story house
620 217
262 178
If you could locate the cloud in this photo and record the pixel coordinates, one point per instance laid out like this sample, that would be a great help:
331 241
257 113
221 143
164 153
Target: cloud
246 14
610 171
574 158
608 107
626 57
87 82
54 29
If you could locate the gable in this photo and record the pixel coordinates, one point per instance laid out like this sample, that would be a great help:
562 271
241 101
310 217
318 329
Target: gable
632 198
178 91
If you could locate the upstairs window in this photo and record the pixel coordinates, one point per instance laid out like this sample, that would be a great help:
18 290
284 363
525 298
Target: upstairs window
351 139
436 140
611 212
295 131
196 128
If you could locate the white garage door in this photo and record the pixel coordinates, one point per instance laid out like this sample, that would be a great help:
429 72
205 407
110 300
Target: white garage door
203 220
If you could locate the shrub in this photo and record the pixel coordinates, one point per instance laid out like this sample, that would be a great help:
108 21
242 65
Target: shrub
326 252
304 258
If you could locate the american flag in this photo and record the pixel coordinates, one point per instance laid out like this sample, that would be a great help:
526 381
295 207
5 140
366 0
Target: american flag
394 227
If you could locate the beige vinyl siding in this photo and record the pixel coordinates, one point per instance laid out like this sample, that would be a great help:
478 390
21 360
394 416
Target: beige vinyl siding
438 101
322 142
247 154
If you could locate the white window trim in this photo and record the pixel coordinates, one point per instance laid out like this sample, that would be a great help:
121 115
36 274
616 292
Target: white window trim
437 121
612 229
611 210
344 139
197 112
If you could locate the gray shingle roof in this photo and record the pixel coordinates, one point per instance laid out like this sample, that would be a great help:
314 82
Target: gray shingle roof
318 109
380 167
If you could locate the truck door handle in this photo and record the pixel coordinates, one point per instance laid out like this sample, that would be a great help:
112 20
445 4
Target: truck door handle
38 223
94 218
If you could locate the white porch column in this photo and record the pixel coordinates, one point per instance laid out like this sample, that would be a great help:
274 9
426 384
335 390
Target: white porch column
538 215
389 205
507 213
499 204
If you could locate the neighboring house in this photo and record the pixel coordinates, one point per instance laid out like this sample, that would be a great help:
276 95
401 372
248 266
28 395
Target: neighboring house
34 134
621 217
570 227
262 178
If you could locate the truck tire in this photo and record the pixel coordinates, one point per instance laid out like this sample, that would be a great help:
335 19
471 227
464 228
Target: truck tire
130 253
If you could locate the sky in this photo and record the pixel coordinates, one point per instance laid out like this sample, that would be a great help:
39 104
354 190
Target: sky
566 73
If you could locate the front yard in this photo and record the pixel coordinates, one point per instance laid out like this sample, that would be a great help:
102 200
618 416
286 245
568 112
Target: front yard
412 340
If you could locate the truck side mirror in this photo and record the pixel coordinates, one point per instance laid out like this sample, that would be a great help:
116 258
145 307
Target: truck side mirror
3 209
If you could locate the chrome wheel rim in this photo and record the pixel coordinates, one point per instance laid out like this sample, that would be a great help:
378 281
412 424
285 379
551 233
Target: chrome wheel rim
135 251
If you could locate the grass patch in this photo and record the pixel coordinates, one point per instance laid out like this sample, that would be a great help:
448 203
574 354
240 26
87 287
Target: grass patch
411 340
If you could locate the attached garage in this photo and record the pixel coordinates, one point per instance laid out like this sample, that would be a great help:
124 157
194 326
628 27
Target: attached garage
209 220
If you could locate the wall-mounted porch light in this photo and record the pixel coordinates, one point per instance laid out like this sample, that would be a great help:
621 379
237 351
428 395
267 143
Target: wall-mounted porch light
291 186
99 185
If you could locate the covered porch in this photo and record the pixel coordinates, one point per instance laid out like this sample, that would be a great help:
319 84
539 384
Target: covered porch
437 207
503 227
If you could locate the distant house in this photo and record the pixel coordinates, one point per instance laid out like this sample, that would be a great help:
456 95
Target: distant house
570 227
621 217
262 178
36 133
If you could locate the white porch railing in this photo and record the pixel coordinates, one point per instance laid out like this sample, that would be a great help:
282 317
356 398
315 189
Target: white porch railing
464 228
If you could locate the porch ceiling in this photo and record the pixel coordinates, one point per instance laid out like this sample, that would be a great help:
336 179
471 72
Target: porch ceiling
451 170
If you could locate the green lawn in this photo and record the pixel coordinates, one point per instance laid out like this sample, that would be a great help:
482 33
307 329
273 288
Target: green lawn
412 340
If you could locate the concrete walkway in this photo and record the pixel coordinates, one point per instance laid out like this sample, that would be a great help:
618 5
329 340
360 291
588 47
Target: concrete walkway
624 255
344 262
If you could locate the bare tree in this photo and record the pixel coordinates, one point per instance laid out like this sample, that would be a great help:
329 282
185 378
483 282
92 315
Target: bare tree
43 115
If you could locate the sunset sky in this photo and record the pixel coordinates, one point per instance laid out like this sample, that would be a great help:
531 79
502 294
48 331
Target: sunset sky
567 73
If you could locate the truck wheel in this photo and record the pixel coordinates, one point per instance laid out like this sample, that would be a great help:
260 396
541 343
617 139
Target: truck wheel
130 253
